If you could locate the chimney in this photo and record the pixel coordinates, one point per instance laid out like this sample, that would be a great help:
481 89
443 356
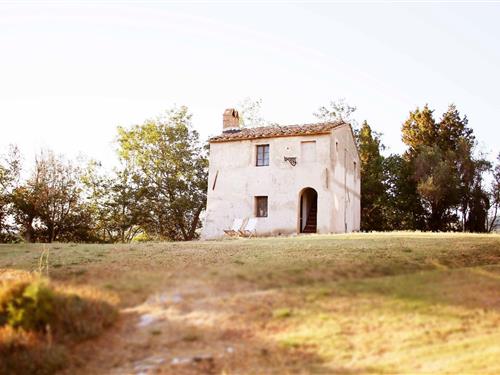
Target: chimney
230 120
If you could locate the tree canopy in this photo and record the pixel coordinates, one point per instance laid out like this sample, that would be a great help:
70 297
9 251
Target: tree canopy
171 166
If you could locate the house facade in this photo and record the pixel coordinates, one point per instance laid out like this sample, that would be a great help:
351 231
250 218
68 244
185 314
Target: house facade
293 179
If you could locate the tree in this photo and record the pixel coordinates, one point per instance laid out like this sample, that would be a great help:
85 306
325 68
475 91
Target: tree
117 203
453 131
494 197
479 206
10 167
250 112
437 185
172 167
373 197
337 110
404 209
419 130
48 206
446 170
57 183
24 209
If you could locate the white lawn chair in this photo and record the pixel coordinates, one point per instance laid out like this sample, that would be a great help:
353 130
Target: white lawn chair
250 228
235 228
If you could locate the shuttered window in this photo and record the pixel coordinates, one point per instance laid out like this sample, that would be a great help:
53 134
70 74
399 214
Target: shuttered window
262 155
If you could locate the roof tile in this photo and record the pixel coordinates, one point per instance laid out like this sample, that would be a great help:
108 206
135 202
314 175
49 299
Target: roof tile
276 131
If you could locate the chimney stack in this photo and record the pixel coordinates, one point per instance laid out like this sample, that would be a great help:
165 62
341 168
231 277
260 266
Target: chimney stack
230 120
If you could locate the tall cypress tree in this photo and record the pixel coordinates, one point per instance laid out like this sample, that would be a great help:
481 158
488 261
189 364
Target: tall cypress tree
373 196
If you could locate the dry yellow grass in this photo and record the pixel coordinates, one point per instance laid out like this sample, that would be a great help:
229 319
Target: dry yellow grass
360 303
40 321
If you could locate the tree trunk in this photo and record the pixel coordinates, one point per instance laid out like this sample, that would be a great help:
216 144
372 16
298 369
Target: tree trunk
194 224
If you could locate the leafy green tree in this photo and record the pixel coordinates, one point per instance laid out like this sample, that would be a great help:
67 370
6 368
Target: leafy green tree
48 206
373 191
10 167
453 131
446 170
404 209
171 163
479 207
117 202
25 203
494 197
57 183
419 130
438 186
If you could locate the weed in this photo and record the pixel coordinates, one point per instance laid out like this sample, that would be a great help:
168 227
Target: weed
282 313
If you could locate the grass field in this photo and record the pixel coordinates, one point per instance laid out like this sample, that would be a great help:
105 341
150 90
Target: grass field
360 303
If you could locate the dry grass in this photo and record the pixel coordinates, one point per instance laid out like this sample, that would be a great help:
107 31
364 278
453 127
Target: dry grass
40 320
360 303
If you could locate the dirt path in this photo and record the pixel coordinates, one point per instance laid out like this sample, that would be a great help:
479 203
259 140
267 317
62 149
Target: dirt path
193 328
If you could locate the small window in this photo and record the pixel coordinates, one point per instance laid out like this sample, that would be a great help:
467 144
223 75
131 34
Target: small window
308 151
262 155
355 167
261 206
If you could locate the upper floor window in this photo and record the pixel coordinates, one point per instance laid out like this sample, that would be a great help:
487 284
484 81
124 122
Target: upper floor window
308 151
262 155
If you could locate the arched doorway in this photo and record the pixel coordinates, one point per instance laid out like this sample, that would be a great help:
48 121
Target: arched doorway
308 210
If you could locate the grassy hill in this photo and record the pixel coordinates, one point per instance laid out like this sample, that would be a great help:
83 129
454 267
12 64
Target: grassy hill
360 303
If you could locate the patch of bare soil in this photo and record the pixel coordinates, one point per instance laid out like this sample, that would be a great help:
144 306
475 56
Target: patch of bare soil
192 328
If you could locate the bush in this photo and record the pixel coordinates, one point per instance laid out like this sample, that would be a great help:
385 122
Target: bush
37 321
142 237
27 305
78 318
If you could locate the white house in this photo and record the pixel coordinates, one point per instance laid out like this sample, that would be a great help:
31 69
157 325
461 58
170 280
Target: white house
293 179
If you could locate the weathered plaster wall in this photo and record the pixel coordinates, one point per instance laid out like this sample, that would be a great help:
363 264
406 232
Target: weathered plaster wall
234 181
346 181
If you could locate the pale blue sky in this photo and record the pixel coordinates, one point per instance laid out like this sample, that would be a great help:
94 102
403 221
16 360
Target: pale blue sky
70 71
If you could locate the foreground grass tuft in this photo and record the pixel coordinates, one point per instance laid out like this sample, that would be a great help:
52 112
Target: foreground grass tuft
38 320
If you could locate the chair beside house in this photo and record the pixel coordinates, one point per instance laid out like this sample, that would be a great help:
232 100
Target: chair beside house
250 228
235 228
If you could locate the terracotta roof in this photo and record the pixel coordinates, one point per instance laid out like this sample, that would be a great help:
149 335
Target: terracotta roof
276 131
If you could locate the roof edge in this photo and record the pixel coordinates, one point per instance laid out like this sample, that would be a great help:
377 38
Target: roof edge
267 137
254 135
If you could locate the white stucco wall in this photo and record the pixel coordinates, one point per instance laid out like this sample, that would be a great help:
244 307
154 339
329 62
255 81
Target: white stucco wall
234 181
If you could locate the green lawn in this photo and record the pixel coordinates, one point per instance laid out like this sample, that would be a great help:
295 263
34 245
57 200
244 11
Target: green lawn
360 303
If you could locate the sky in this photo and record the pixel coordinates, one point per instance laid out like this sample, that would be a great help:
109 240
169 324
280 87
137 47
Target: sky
72 71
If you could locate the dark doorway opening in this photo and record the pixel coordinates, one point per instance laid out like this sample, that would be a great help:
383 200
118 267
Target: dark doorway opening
308 211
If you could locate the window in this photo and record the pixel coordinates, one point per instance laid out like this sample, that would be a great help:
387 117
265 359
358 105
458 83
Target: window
262 155
308 151
355 168
261 206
